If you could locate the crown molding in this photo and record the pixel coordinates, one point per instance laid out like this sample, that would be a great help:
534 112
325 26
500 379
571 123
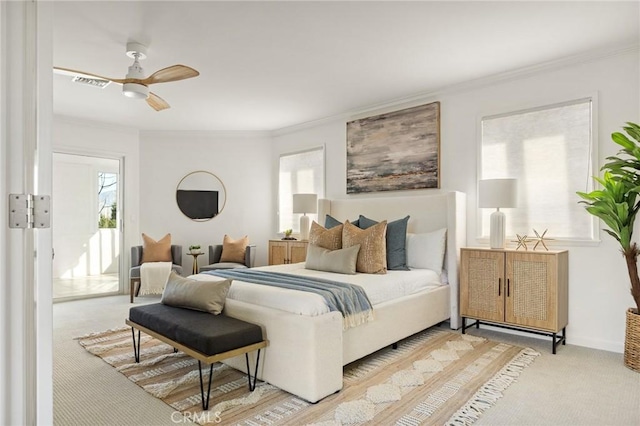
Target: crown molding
202 134
517 73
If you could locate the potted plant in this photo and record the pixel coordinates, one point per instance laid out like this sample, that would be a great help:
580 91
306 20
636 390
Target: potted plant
287 234
195 248
617 204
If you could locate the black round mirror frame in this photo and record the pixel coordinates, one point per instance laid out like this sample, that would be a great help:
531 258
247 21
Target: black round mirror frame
201 195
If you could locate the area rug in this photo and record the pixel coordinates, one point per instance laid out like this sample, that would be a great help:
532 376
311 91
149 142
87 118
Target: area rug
435 377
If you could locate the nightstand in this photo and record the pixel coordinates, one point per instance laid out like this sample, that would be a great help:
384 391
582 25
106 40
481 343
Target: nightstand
287 251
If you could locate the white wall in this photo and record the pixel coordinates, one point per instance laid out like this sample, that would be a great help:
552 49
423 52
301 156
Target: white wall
599 285
240 160
74 136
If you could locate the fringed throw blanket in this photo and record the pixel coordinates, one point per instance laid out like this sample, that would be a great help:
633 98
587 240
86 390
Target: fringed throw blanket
351 300
153 277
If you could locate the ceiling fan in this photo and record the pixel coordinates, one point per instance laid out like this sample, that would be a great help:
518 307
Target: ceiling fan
135 84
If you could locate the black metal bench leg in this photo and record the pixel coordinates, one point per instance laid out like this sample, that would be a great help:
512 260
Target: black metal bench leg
136 351
252 387
205 402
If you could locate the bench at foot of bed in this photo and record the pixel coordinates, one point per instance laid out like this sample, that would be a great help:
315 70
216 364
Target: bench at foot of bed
206 337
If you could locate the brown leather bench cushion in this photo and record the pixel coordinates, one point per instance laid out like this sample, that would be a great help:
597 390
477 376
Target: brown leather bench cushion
202 331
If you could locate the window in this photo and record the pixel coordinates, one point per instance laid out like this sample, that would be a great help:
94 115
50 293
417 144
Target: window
107 196
549 150
300 172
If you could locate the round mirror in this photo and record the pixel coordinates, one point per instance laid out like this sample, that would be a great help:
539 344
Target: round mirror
201 195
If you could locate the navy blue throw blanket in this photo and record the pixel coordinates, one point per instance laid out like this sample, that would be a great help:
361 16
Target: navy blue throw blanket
349 299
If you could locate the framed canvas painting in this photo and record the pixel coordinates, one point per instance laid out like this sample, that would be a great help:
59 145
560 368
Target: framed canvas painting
394 151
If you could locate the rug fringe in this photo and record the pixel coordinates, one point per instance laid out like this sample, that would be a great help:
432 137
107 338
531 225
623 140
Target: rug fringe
492 391
100 333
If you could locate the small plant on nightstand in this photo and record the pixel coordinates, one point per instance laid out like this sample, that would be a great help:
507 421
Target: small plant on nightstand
195 248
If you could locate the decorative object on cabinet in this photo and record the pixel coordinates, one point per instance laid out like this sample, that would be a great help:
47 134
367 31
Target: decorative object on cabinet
516 290
287 234
201 195
414 161
540 239
522 241
617 204
286 251
305 203
497 193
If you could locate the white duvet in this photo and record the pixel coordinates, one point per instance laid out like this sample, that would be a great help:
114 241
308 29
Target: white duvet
379 288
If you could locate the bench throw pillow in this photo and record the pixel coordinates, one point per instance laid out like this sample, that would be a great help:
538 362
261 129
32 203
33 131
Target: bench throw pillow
234 250
372 257
341 261
207 296
330 239
156 251
396 242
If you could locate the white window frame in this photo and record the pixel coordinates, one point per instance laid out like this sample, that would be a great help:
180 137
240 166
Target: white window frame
594 166
320 194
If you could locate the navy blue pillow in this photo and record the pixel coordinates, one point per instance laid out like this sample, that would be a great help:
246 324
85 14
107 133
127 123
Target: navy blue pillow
396 242
330 222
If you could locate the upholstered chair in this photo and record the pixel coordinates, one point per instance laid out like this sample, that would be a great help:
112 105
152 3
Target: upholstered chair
136 258
215 252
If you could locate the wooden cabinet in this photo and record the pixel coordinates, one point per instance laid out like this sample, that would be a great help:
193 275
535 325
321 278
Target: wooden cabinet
516 289
287 251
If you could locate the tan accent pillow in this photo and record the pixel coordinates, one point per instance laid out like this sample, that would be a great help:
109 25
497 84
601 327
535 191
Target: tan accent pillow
234 250
342 261
331 238
156 251
207 296
372 257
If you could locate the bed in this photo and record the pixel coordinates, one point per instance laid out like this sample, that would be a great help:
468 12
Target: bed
307 350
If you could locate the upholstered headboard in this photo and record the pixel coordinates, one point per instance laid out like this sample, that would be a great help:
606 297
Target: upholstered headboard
427 213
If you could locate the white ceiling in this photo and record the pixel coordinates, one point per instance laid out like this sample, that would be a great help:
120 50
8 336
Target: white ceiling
268 65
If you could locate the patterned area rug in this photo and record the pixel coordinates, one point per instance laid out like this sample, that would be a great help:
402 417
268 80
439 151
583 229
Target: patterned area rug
435 377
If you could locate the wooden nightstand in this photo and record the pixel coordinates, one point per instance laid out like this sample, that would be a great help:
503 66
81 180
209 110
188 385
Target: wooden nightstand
520 290
287 251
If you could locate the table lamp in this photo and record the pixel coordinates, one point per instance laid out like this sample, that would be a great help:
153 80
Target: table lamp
305 203
497 193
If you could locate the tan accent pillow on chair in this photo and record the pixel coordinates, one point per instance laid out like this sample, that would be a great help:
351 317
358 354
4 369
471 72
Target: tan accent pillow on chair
330 239
234 250
372 257
156 251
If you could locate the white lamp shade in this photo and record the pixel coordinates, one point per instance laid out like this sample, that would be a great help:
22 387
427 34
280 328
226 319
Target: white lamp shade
305 203
498 193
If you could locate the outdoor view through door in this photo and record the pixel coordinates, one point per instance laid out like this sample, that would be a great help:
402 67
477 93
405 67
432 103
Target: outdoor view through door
86 230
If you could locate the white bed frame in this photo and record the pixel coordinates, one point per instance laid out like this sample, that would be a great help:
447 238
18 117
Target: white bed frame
306 354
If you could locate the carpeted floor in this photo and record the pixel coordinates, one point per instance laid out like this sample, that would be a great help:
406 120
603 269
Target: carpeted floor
434 377
578 386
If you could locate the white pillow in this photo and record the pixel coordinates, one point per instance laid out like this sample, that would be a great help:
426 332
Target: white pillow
426 251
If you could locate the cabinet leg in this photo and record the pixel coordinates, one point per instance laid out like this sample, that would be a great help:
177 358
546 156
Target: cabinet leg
553 344
564 336
464 325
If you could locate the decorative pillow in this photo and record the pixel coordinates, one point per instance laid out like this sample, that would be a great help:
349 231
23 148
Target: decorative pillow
234 250
396 242
207 296
330 222
156 251
330 239
342 261
372 257
426 251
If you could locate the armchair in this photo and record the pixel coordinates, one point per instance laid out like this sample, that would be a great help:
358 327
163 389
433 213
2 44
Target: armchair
136 257
215 252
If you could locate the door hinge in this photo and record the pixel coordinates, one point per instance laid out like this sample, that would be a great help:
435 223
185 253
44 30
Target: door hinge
29 211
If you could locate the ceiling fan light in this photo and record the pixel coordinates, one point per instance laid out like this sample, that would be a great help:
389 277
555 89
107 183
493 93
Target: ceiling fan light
135 90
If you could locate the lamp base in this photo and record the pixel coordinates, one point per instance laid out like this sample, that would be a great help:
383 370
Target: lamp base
304 227
497 230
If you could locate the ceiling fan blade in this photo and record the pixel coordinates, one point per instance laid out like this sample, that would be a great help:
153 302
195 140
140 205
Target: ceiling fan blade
73 73
156 102
172 73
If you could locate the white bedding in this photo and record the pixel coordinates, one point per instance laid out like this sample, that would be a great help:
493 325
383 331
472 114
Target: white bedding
379 288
